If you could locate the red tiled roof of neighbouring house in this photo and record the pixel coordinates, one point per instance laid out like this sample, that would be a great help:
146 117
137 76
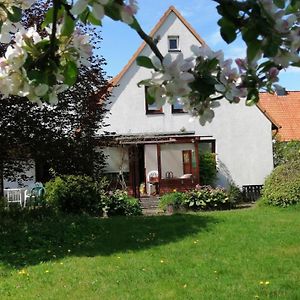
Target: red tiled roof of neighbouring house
285 111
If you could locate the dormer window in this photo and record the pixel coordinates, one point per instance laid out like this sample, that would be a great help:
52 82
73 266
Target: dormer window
173 43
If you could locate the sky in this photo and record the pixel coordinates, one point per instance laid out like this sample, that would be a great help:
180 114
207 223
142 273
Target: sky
120 41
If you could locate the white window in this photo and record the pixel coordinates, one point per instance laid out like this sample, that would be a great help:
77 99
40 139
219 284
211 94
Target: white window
173 43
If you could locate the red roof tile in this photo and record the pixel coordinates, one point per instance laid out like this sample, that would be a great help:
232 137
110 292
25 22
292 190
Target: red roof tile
285 110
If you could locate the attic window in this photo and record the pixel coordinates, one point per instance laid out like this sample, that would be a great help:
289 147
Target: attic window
151 108
173 43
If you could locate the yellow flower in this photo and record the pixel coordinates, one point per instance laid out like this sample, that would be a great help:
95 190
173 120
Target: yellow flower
185 286
22 272
174 190
161 261
261 282
47 271
61 263
267 282
119 257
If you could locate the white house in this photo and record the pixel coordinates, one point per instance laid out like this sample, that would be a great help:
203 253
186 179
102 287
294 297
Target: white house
165 141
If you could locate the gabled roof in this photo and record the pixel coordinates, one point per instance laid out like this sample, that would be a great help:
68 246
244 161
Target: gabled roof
171 9
285 111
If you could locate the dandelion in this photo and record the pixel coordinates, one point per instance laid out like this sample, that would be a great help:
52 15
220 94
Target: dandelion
261 282
47 271
184 286
119 257
61 263
23 272
267 282
161 261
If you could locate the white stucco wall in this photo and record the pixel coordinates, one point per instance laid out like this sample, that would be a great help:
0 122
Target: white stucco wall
243 134
150 158
171 158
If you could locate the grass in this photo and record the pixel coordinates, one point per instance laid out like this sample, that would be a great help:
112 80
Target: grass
244 254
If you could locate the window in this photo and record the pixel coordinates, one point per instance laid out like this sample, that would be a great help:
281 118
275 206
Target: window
177 107
173 43
151 108
208 146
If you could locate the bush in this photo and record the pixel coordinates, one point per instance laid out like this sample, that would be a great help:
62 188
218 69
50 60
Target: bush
120 204
76 194
176 199
3 204
282 187
206 198
208 168
286 151
234 194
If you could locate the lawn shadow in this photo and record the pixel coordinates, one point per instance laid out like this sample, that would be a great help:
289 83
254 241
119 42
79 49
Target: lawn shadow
28 241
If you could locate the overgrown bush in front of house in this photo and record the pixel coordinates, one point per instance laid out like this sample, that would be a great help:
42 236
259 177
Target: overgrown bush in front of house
175 198
76 194
282 187
207 169
286 151
120 204
207 198
234 194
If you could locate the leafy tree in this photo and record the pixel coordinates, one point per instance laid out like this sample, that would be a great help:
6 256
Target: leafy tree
286 152
60 137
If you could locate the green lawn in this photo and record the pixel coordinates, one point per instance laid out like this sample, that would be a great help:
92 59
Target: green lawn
242 254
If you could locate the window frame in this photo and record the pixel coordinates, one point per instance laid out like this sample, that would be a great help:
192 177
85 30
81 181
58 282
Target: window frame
173 37
177 110
151 111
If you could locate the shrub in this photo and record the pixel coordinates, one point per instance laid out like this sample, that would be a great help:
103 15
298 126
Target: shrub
234 194
76 194
282 187
3 204
120 204
176 199
286 151
208 168
206 198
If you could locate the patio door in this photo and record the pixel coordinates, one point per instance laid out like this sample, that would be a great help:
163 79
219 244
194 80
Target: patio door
136 168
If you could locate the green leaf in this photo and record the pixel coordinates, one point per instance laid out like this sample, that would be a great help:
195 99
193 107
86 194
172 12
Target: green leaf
253 97
253 49
149 98
49 16
280 3
84 15
93 20
228 30
70 73
68 25
145 62
36 75
15 15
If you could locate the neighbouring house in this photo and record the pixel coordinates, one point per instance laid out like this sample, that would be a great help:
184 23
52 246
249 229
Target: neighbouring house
153 148
284 109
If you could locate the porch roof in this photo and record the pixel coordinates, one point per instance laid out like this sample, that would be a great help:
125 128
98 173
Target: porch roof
157 138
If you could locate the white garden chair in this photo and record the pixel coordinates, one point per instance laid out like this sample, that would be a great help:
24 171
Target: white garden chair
151 174
13 196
